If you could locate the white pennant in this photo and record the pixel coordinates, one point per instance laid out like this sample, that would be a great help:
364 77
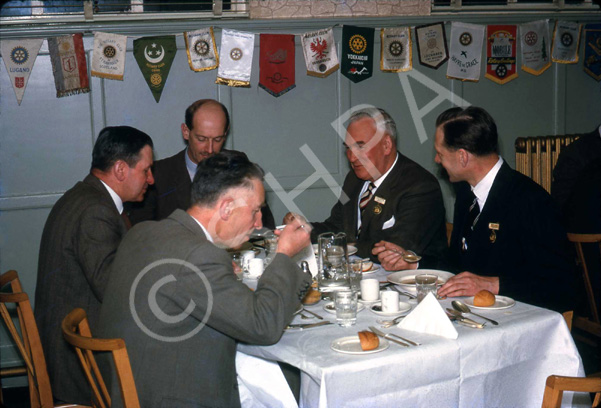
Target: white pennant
201 49
236 57
566 38
466 51
108 58
19 57
536 46
319 49
396 49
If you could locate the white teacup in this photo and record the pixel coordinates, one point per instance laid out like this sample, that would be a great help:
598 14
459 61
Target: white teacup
255 267
370 290
390 301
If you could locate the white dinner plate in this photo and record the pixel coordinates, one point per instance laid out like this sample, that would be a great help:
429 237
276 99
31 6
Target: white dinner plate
404 308
352 345
350 249
406 279
501 302
329 307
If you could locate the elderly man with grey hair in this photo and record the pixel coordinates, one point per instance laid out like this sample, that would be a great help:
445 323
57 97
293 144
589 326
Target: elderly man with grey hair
387 197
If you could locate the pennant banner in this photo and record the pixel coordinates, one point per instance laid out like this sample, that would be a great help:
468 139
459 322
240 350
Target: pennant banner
466 51
236 58
357 52
108 58
19 57
155 56
201 50
432 45
592 50
536 51
566 38
501 50
395 49
276 63
69 65
319 49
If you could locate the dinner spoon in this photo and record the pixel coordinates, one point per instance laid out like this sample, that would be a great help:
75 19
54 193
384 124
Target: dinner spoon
463 308
408 256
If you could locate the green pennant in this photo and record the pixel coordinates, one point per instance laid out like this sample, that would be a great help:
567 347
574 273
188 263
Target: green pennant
155 56
357 52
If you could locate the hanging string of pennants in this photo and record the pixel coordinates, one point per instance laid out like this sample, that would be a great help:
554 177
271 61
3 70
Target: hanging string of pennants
233 62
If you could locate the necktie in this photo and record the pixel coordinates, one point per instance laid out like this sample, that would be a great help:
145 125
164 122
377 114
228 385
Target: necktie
126 220
365 198
470 222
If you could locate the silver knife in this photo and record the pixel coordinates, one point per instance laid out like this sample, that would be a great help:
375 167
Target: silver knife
454 315
314 314
386 336
307 325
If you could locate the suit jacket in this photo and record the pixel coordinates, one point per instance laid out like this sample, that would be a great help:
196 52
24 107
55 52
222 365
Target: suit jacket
412 215
570 164
200 307
529 252
171 190
78 246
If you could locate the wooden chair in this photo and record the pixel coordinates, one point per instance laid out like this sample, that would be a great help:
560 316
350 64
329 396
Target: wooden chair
592 325
556 385
76 331
449 232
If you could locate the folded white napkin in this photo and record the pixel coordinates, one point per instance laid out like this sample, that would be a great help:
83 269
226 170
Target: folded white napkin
429 317
307 254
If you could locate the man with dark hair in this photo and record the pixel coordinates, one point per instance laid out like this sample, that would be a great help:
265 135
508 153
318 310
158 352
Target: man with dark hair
507 236
387 197
78 246
207 123
187 310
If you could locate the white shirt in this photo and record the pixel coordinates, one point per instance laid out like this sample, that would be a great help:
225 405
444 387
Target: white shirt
209 237
116 199
190 165
377 184
482 189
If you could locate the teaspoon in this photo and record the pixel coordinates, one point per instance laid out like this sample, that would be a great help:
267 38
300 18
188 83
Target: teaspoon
463 308
409 256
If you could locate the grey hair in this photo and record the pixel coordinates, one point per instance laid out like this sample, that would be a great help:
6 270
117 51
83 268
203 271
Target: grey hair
383 120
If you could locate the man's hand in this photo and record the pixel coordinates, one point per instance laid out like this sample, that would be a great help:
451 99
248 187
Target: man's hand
294 237
289 217
390 256
468 284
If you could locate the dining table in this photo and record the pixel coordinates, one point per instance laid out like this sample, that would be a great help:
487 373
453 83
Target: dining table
496 366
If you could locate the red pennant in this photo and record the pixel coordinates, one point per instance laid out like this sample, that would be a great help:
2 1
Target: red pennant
276 63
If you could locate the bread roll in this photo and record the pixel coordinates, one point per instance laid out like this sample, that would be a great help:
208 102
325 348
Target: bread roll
312 296
484 298
368 340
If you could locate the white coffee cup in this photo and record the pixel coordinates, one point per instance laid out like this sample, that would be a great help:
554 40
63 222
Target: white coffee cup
246 257
255 267
370 290
390 301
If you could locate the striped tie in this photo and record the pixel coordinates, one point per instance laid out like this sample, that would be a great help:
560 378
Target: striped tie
365 197
472 218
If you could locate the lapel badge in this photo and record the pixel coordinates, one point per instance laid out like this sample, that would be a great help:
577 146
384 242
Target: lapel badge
493 226
380 200
377 209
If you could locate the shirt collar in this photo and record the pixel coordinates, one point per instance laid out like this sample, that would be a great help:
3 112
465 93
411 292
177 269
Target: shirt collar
190 165
379 181
209 237
482 189
116 199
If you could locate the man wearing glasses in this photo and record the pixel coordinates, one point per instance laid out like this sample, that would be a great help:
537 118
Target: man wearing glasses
207 123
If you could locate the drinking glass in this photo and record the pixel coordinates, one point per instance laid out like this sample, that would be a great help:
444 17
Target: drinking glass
355 273
425 284
238 266
271 247
346 308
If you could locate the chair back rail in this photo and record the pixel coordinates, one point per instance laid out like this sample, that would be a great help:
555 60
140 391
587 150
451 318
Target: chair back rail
536 157
578 240
76 332
556 385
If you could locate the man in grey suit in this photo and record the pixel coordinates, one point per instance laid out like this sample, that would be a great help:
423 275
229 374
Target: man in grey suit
207 123
176 301
78 246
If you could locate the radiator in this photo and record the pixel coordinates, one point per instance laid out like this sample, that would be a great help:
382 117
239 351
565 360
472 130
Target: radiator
536 156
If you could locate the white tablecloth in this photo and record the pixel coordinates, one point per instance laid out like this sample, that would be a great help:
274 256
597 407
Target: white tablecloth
498 366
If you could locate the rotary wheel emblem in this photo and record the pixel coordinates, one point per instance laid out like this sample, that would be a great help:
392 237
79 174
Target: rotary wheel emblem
19 55
501 71
531 38
395 48
358 44
109 51
566 39
431 43
201 47
236 54
155 79
465 38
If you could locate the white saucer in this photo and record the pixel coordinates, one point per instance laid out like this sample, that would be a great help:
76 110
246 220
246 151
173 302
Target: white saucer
352 345
501 302
329 307
404 308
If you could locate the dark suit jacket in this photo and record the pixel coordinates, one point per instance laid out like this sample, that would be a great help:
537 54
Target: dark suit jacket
530 254
78 246
413 198
210 311
171 190
570 164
